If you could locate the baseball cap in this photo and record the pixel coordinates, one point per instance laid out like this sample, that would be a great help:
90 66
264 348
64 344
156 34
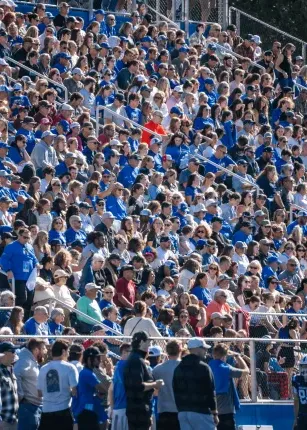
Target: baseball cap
65 106
240 244
77 71
120 97
200 207
64 55
48 133
91 286
178 89
70 155
105 45
242 162
155 140
5 199
135 157
197 342
184 49
268 53
29 120
65 125
272 259
265 241
158 113
4 89
224 278
3 174
60 274
210 202
268 134
268 149
183 207
97 327
216 315
176 110
259 213
92 351
45 121
145 212
155 351
75 125
209 81
217 219
201 243
3 62
248 121
167 157
107 215
212 47
99 12
127 267
4 145
85 205
147 39
8 347
302 213
165 239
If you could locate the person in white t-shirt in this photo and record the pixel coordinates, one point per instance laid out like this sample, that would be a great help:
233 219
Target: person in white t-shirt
57 383
163 251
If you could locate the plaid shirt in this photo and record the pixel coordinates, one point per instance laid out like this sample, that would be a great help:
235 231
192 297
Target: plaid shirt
9 397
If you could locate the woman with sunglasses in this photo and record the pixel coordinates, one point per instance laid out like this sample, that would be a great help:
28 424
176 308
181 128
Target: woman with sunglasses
182 323
57 230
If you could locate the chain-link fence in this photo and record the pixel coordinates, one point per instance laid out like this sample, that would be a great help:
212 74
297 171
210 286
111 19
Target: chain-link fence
247 24
265 367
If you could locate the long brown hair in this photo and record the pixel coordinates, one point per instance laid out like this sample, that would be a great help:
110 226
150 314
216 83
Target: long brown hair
13 322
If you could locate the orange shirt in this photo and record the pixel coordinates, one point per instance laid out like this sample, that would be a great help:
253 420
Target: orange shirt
157 128
216 307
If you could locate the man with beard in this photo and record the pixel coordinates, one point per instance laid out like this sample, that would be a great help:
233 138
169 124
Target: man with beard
26 371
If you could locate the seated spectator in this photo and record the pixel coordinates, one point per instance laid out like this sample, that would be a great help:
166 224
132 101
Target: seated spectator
88 305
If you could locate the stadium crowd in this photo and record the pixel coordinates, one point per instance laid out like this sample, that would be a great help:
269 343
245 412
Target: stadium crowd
181 229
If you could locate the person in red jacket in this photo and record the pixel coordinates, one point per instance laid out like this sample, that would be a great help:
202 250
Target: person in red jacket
155 126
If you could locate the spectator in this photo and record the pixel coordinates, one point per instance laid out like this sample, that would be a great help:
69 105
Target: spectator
88 305
194 390
57 382
8 386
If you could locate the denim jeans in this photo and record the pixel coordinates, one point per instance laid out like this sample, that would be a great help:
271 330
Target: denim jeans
29 416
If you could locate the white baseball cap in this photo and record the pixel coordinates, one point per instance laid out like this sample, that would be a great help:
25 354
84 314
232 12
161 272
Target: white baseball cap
197 342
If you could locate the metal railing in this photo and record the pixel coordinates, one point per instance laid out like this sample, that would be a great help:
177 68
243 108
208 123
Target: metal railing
164 18
83 315
249 24
229 51
127 120
33 72
227 171
295 207
252 343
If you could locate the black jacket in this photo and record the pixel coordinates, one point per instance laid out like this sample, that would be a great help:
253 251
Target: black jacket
193 386
135 374
109 233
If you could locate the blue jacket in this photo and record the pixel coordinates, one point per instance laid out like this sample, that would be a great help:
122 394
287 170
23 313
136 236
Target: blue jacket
240 236
30 139
117 207
177 152
230 137
127 176
199 123
20 259
53 234
72 235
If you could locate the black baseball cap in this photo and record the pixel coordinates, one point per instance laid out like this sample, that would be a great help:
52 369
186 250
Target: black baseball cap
8 347
120 97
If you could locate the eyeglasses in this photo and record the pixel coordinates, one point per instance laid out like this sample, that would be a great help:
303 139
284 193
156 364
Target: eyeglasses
222 295
56 185
58 222
176 198
292 264
100 204
213 268
201 231
273 282
26 237
184 316
289 249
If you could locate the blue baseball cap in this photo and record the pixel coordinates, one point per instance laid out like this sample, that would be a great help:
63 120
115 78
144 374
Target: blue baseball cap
105 45
65 125
176 110
4 145
302 213
183 207
212 47
124 39
209 81
201 242
49 15
147 39
4 89
170 263
273 259
184 49
106 172
64 55
99 12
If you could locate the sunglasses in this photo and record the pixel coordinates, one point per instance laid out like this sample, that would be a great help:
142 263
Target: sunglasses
274 282
213 268
184 316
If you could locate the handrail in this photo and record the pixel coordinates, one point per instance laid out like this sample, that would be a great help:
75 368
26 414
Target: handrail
99 108
293 206
278 314
163 16
13 280
267 25
82 314
224 169
40 75
238 55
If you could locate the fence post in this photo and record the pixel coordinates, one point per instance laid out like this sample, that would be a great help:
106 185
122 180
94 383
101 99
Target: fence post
186 16
304 51
253 370
91 9
238 16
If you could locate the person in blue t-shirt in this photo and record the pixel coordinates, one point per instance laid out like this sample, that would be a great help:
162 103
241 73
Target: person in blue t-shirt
87 408
55 323
203 118
128 174
131 110
200 289
244 234
223 160
117 394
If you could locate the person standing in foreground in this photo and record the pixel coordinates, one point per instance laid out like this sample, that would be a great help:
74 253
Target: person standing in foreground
299 383
26 371
139 384
18 260
194 389
117 394
57 382
8 387
167 409
226 393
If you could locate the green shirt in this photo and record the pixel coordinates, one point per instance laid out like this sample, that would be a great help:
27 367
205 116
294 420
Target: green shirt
89 307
